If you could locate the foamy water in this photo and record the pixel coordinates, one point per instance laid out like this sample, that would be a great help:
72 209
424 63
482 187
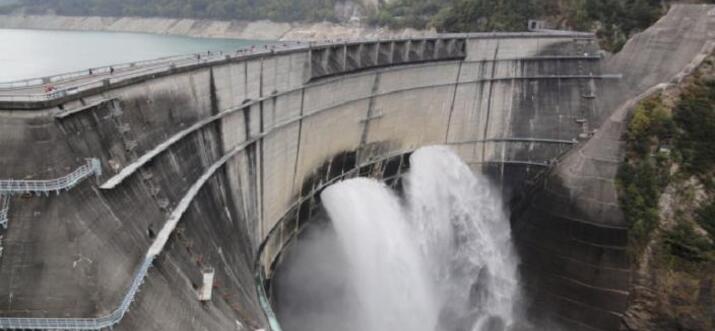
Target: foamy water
441 259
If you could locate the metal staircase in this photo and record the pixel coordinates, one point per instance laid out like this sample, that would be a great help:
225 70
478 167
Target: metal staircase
99 323
4 208
14 186
9 187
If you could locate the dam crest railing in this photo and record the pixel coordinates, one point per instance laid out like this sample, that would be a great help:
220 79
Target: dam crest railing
374 53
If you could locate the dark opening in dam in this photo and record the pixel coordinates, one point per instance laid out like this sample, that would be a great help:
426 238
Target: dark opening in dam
428 250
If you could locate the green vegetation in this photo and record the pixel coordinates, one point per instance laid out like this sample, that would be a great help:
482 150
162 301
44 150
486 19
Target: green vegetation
682 242
705 216
645 173
613 20
459 15
277 10
695 116
669 145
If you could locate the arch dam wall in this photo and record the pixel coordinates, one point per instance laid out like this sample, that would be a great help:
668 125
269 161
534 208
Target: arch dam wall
200 162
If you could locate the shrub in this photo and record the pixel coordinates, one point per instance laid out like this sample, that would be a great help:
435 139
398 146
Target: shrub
683 242
695 118
651 125
705 216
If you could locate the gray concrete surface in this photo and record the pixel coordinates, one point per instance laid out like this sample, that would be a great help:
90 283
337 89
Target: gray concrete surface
573 228
510 101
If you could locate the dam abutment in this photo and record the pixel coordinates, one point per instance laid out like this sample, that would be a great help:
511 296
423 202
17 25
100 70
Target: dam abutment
279 116
202 161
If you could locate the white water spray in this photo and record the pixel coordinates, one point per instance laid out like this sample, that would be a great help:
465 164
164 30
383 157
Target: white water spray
442 260
389 276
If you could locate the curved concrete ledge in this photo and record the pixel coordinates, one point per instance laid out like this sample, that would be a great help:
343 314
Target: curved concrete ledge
179 131
277 240
329 58
519 140
158 245
10 323
138 279
147 157
515 162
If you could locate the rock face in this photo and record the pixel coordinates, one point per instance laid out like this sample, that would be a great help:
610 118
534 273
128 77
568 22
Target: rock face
573 238
670 292
259 30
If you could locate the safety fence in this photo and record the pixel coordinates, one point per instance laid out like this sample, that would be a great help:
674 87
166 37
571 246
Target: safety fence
4 209
17 186
11 323
62 85
109 69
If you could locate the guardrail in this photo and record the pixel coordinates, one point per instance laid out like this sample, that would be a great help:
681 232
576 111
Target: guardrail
96 71
4 209
104 78
127 70
118 67
11 323
15 186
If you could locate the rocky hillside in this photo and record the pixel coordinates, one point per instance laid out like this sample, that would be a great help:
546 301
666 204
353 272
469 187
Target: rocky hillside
258 30
667 189
614 21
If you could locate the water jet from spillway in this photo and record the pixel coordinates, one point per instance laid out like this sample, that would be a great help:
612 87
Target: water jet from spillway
438 258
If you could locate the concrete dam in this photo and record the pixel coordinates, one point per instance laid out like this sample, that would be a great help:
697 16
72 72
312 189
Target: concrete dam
161 196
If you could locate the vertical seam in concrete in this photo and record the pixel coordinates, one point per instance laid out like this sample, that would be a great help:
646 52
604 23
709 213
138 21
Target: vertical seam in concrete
489 100
300 132
260 88
502 165
454 97
247 201
212 93
259 148
370 108
377 53
227 189
345 57
310 65
245 80
391 59
215 109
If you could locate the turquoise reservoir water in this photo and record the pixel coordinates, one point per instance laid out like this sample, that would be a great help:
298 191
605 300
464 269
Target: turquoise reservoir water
38 53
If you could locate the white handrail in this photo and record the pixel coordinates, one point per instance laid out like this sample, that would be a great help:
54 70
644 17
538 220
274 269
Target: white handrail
4 210
17 186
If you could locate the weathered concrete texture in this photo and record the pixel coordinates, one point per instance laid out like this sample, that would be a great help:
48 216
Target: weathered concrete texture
658 54
256 30
514 97
340 59
573 235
